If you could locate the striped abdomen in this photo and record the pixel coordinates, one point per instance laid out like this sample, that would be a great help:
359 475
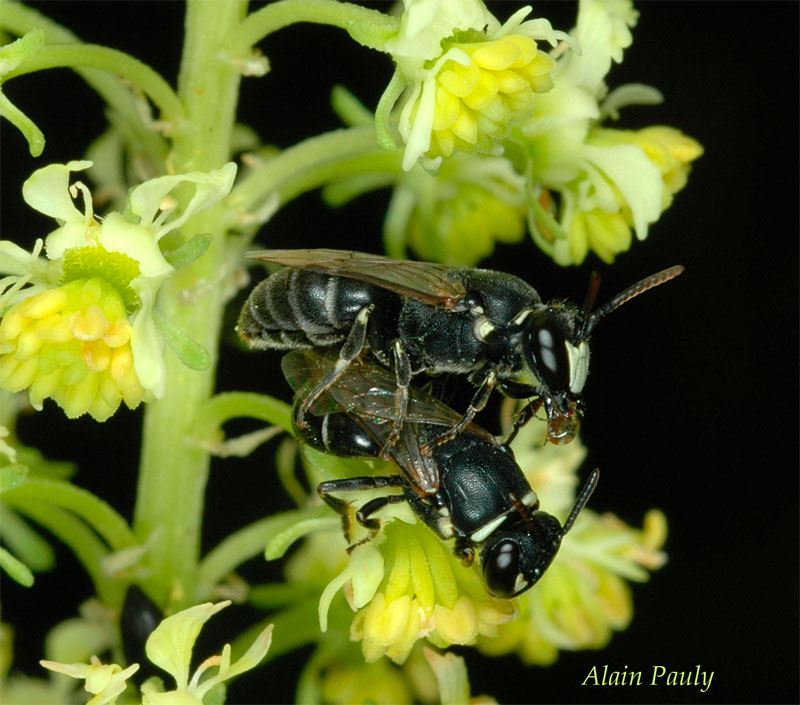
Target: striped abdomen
338 434
295 308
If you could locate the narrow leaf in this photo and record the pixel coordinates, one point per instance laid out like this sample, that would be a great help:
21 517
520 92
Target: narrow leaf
189 251
189 351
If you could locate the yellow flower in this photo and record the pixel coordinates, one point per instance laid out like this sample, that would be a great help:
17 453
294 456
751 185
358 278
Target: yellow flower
78 326
592 188
583 597
71 343
467 78
669 149
456 215
406 585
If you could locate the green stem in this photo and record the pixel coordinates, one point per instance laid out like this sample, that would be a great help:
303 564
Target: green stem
17 19
105 59
89 550
368 27
245 544
230 405
94 511
174 470
311 163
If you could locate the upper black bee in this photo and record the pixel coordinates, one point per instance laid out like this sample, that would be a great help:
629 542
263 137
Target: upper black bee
422 317
468 488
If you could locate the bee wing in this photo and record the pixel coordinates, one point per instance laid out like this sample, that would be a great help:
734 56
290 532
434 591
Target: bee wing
432 283
369 399
367 390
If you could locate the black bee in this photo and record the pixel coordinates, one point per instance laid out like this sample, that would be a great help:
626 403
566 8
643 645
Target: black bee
468 488
421 317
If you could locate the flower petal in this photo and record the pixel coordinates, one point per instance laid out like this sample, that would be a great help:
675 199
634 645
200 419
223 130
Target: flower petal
47 191
146 199
171 643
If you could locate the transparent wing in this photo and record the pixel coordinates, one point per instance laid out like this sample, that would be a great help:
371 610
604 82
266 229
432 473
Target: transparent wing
428 282
369 399
367 390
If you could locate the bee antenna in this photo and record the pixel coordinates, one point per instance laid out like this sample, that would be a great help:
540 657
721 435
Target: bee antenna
591 293
631 292
583 498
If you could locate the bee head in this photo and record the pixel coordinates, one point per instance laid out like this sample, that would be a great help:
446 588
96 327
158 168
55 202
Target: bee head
516 556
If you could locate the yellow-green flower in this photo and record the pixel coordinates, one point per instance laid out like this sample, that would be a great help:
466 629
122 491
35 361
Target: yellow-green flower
467 77
592 188
584 597
78 326
380 683
105 682
456 215
406 585
170 648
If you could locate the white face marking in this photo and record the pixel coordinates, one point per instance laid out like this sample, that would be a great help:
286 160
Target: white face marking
578 366
520 583
487 529
530 499
483 328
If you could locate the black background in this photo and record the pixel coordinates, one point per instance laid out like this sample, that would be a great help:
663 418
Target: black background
693 393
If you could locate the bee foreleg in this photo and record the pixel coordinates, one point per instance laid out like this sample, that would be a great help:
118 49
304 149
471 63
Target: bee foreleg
525 414
351 349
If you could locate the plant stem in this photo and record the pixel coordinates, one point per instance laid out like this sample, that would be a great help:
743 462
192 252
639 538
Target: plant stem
311 163
174 470
244 544
94 511
368 27
105 59
18 19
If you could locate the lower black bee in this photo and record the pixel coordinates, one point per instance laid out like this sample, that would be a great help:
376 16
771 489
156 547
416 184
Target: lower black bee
420 317
468 489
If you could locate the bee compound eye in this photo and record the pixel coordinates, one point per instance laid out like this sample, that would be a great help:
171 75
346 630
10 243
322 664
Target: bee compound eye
501 568
549 350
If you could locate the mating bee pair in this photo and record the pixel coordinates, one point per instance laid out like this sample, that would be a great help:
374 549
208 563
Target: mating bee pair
330 307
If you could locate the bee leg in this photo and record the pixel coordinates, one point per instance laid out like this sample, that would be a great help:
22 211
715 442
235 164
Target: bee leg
525 414
374 525
478 402
351 349
402 368
464 550
327 489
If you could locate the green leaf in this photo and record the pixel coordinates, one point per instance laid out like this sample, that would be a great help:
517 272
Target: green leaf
16 569
189 251
189 351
